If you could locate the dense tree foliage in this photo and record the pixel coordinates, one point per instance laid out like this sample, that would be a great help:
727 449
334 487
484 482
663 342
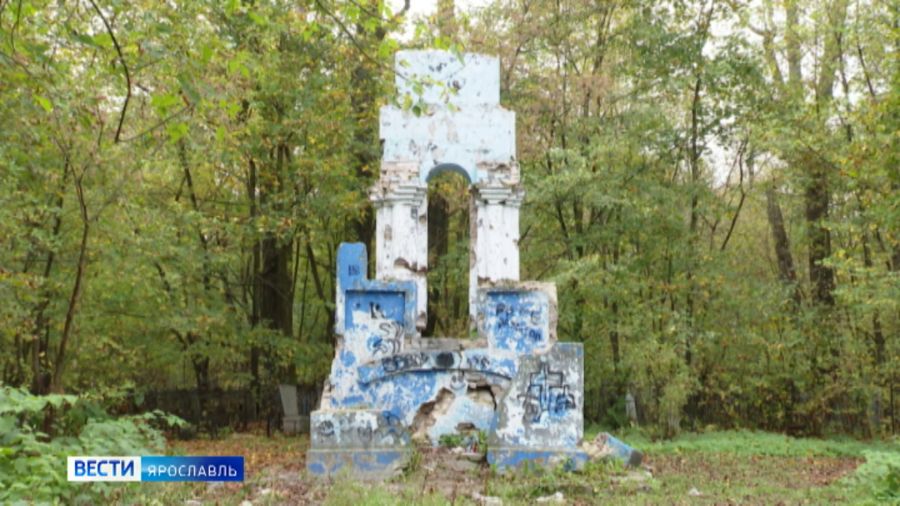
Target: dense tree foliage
713 185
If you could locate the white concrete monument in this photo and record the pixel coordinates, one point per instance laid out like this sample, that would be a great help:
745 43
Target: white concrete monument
461 128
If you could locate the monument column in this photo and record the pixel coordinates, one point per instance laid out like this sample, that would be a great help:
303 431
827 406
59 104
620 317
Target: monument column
494 237
401 240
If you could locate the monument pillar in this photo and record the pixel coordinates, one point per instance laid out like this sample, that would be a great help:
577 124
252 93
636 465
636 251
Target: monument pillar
401 235
494 238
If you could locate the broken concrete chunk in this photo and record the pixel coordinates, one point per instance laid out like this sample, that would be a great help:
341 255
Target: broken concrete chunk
557 498
487 500
605 446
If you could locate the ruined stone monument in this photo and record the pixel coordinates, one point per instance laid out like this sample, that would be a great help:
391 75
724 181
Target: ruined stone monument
388 385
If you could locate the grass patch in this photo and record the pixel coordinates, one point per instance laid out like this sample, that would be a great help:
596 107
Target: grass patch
727 467
747 442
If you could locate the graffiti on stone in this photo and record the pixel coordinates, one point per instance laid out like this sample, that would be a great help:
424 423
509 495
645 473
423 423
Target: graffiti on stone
444 360
517 316
388 426
458 380
392 422
365 433
478 362
325 429
547 392
517 320
387 340
405 362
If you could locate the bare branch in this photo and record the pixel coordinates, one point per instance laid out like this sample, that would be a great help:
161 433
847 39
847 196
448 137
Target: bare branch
354 41
115 42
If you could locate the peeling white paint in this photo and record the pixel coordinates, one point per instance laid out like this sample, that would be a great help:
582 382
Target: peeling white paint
464 130
514 381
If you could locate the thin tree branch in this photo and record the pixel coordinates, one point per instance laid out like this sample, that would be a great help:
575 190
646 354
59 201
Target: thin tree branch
737 212
115 42
355 42
76 288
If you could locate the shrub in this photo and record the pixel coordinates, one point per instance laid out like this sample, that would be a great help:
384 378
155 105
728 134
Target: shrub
878 479
37 433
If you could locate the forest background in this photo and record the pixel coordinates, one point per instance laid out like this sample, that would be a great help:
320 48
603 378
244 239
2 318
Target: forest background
712 185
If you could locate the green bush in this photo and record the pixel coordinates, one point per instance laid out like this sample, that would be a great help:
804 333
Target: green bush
878 479
37 433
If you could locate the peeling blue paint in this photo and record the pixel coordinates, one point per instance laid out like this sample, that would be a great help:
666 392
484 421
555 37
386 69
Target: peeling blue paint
353 401
374 463
477 360
383 300
517 382
351 264
316 467
514 458
517 320
381 304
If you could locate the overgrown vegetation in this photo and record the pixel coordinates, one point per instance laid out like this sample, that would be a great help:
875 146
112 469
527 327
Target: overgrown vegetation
713 186
878 479
37 433
473 441
875 481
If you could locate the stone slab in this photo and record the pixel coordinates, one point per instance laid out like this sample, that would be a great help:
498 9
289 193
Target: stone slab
371 464
544 405
605 445
357 429
518 317
364 304
508 459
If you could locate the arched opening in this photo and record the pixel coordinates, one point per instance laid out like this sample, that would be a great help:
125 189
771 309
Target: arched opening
448 252
442 169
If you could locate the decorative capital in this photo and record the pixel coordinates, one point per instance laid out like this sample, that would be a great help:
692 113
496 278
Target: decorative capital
511 196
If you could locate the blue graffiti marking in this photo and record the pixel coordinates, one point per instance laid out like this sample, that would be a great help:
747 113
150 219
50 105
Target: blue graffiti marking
388 341
382 300
517 320
546 393
380 305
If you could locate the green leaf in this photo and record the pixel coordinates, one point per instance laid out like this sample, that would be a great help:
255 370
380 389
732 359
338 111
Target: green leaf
188 88
176 131
44 102
163 103
257 19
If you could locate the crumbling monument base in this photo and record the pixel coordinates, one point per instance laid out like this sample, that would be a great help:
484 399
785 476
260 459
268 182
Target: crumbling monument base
513 384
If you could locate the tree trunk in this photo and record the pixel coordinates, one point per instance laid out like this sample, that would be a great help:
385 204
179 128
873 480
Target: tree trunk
201 373
275 301
274 283
56 385
817 199
782 245
40 375
818 193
